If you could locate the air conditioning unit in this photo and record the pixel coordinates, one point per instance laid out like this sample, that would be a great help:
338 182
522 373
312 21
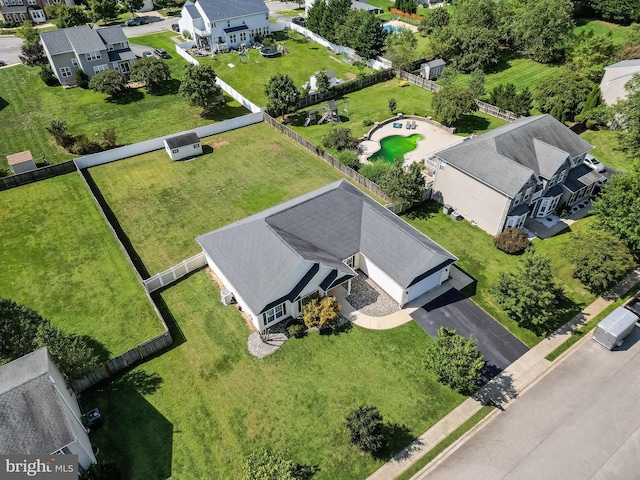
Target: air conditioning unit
226 297
447 209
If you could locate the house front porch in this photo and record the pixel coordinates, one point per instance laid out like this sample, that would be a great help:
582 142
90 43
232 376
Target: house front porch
553 224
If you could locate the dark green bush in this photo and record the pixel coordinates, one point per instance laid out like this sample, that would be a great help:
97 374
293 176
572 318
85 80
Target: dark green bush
340 138
349 158
82 79
47 76
365 428
367 122
296 330
375 171
512 240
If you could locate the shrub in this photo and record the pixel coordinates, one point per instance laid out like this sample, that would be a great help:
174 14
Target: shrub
318 312
296 330
58 129
82 79
365 428
83 146
340 138
375 171
47 76
109 137
403 83
392 105
349 158
367 122
512 240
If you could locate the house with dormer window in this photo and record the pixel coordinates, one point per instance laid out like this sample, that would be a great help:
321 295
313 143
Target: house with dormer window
526 169
222 24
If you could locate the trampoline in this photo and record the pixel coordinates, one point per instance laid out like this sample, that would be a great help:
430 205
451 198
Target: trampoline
269 52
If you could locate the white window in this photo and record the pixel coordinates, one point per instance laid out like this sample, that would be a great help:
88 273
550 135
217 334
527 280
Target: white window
527 193
442 165
175 150
74 62
196 145
32 2
516 200
232 38
100 68
562 176
65 72
91 56
243 36
274 314
110 47
228 23
552 181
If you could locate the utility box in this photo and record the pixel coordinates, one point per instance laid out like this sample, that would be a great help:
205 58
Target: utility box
612 330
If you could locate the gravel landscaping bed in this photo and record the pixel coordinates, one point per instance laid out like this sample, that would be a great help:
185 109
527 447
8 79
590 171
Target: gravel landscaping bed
370 299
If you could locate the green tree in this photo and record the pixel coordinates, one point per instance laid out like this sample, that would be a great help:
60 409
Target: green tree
349 158
468 48
200 89
600 260
627 117
452 103
23 330
404 187
340 138
433 19
109 82
504 96
319 312
618 207
322 82
530 295
365 427
393 105
333 15
562 94
455 360
625 11
132 5
407 6
266 464
153 72
315 16
476 83
104 9
543 29
32 54
28 33
590 53
65 16
401 48
370 38
282 94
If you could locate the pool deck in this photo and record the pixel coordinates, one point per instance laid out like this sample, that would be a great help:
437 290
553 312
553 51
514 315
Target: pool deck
435 138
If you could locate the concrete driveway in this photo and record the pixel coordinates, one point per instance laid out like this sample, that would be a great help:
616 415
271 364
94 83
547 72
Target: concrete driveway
578 422
453 310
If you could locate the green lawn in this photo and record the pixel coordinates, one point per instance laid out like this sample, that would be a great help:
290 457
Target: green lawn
196 411
59 257
305 57
163 205
480 259
606 149
601 28
372 103
27 107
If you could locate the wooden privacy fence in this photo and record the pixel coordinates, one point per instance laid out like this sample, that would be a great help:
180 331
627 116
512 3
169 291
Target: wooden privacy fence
482 106
348 171
115 364
412 16
175 273
36 175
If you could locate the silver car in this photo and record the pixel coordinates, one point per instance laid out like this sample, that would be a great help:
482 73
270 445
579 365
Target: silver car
594 163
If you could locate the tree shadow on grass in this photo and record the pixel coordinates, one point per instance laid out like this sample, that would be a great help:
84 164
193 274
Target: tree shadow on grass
472 123
169 87
344 327
398 438
100 350
126 98
134 434
423 211
3 103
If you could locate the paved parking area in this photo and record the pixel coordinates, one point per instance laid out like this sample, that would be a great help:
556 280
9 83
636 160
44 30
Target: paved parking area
580 421
453 310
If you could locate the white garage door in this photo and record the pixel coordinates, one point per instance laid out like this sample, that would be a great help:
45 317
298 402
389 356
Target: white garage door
423 286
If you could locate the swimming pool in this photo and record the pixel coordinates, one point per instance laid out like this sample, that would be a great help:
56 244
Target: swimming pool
395 146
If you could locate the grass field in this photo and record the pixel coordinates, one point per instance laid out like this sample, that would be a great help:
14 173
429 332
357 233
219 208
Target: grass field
483 261
372 103
196 411
163 205
59 257
305 57
600 27
606 149
27 106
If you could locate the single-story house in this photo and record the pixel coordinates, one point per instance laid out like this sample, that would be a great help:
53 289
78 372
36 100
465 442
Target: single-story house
224 24
21 162
615 78
182 146
39 415
273 260
528 168
433 69
91 49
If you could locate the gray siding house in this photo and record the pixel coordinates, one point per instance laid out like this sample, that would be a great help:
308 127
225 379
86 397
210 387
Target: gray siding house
528 168
19 11
91 49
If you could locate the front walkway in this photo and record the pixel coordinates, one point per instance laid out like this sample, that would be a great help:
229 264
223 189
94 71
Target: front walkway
552 225
501 391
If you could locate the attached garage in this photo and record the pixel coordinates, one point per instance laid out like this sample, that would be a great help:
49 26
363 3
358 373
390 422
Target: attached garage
430 281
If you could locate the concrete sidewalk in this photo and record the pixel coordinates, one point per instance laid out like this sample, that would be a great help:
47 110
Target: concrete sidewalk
502 390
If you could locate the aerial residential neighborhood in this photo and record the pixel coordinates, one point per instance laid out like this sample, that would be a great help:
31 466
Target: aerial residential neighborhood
321 239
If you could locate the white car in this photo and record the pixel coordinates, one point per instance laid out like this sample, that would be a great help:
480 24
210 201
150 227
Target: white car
593 162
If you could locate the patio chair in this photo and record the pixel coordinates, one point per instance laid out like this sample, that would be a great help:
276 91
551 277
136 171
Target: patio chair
414 125
408 125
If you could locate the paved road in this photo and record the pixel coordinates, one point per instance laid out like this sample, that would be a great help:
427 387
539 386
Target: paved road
581 421
453 310
10 49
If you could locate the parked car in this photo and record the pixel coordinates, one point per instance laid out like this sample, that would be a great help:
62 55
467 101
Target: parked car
594 163
299 21
147 54
175 27
161 53
135 21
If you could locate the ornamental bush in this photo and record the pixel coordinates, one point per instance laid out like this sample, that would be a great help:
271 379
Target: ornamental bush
512 240
365 428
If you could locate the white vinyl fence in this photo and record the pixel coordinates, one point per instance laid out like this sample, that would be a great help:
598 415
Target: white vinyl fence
175 273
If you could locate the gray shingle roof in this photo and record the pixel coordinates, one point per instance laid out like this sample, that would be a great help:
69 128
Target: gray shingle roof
112 35
84 39
118 55
223 9
182 140
580 177
81 39
506 157
262 253
56 42
32 416
193 11
438 62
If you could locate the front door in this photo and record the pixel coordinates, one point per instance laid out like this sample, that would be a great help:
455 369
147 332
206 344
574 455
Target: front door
547 206
125 67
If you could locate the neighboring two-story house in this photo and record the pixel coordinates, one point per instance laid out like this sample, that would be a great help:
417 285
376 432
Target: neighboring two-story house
224 24
528 168
19 11
39 415
91 49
